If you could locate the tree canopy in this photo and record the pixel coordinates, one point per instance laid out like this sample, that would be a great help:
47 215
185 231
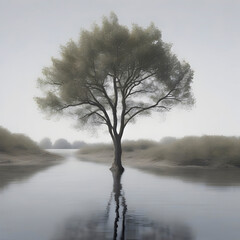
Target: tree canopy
113 74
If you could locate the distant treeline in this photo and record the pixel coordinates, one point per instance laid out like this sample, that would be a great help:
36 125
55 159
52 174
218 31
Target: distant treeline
13 142
61 143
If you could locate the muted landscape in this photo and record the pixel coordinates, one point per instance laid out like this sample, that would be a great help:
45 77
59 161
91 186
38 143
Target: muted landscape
213 152
78 199
206 152
119 120
18 149
179 179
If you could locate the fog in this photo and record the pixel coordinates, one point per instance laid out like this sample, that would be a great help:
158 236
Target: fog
204 33
61 143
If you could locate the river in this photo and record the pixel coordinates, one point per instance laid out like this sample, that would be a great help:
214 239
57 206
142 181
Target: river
81 200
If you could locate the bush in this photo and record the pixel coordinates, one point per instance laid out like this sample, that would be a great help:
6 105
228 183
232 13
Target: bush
205 150
130 146
9 142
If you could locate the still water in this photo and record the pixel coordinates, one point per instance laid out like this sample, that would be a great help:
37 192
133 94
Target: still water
81 200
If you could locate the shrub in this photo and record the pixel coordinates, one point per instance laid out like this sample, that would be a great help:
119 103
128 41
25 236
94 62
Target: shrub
205 150
10 142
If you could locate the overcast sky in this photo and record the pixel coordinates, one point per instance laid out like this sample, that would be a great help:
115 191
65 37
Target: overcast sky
205 33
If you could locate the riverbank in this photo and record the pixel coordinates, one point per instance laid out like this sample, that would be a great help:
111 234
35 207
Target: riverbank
207 152
132 159
21 165
221 175
138 160
20 150
27 159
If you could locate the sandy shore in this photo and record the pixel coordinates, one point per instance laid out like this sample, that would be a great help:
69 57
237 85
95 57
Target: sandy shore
131 159
138 159
21 159
20 166
216 176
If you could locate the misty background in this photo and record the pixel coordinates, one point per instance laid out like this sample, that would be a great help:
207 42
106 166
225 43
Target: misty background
204 33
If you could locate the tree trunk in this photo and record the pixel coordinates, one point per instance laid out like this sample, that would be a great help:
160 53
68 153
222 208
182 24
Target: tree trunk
117 164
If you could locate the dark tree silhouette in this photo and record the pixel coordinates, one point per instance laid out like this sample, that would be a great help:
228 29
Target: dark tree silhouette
112 75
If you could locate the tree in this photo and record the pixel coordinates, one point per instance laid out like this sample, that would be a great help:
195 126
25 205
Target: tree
45 143
112 75
62 144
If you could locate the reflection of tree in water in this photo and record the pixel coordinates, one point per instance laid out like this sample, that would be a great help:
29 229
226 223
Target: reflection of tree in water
118 223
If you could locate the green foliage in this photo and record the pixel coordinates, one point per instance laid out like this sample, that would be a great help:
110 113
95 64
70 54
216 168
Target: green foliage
112 74
11 143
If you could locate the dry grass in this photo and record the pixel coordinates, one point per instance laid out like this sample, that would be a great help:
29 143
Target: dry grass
203 151
214 151
128 146
96 148
11 143
18 149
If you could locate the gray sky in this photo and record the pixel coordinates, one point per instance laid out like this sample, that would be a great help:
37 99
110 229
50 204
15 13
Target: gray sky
205 33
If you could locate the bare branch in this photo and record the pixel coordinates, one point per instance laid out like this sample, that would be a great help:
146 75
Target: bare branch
136 82
142 109
54 83
71 105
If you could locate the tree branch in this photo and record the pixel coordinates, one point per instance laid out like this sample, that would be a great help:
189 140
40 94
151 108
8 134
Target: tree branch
142 109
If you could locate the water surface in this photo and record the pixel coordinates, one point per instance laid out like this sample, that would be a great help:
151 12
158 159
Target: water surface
81 200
